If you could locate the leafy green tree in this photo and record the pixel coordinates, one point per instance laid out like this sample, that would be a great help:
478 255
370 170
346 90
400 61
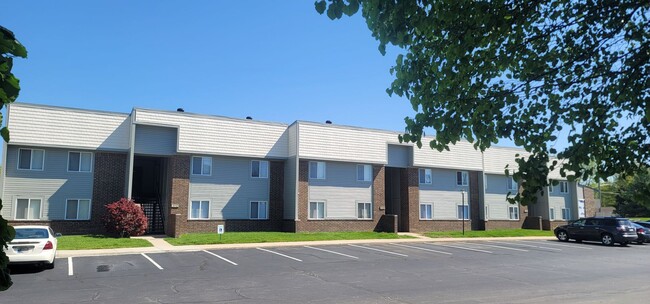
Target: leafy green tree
633 194
522 70
9 88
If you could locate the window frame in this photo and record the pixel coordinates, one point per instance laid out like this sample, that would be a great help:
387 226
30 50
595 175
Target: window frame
486 212
31 160
258 218
565 185
551 214
551 188
203 158
65 214
29 202
80 154
430 205
464 178
317 202
369 208
363 178
566 214
510 208
511 182
317 176
467 216
259 170
201 201
425 176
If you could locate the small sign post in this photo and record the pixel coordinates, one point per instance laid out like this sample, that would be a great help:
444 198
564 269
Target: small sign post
220 231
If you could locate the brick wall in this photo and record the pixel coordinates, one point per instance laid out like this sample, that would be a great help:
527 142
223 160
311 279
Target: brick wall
591 205
533 222
508 224
410 196
475 211
305 224
550 225
178 223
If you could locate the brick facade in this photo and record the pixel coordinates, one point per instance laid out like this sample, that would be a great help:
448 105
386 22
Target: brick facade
591 204
410 196
508 224
550 225
304 224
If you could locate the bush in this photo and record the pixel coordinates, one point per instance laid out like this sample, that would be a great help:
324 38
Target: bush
125 218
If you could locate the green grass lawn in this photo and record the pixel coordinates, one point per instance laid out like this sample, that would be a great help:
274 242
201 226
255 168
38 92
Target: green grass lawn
489 233
640 219
266 237
79 242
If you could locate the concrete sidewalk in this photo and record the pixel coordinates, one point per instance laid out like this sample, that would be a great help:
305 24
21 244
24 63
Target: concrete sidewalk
160 245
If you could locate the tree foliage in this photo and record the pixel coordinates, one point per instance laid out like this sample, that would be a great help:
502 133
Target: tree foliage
633 194
522 70
125 218
9 88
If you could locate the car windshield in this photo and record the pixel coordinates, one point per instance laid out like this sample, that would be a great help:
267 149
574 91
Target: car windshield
30 233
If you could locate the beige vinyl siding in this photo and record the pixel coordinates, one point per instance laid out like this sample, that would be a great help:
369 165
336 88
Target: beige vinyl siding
495 196
559 200
221 136
340 190
62 127
54 185
496 159
444 194
292 139
229 188
461 156
154 140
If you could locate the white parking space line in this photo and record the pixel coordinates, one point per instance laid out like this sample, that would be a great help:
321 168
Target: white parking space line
420 248
561 245
379 250
465 248
214 254
500 247
70 269
333 252
526 245
152 261
280 254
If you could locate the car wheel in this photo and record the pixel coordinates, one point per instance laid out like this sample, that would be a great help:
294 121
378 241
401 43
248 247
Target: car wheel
607 239
640 242
49 265
562 236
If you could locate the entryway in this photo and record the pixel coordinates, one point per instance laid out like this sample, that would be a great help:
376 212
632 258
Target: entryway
150 190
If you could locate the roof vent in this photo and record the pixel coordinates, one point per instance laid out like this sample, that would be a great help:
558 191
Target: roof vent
249 118
180 110
329 122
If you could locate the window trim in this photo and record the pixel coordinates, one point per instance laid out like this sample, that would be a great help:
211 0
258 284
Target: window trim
324 170
259 171
364 173
29 202
250 211
65 212
31 163
486 213
189 210
324 210
80 153
510 213
551 214
568 214
511 182
464 178
566 186
202 159
551 188
425 176
467 216
420 212
371 211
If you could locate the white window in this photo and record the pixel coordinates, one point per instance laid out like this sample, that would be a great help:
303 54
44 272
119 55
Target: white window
425 176
463 212
551 214
550 186
201 165
77 209
462 178
200 210
80 161
364 173
564 187
316 210
259 210
513 212
317 170
426 211
259 169
28 208
566 214
364 210
487 212
31 159
512 184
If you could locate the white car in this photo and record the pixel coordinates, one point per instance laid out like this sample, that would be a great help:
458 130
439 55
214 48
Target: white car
33 245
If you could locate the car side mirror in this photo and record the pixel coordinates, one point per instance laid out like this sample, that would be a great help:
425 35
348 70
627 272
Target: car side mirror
58 234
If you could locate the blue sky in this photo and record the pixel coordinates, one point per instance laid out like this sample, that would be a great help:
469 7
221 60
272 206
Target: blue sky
272 60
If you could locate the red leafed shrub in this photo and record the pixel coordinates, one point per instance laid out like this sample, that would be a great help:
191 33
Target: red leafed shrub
125 218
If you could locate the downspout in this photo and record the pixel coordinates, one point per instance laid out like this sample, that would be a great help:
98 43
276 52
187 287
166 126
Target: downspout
297 177
129 185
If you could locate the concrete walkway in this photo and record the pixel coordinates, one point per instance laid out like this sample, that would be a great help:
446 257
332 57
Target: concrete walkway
160 245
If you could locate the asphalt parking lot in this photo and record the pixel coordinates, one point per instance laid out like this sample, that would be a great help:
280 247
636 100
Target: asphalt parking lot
532 271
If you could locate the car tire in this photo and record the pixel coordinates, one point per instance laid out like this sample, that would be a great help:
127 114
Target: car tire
607 239
624 244
640 242
49 265
578 241
562 236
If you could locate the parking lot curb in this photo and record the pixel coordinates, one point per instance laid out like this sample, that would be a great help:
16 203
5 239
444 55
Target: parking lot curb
191 248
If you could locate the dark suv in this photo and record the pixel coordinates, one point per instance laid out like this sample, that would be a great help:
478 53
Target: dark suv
608 230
